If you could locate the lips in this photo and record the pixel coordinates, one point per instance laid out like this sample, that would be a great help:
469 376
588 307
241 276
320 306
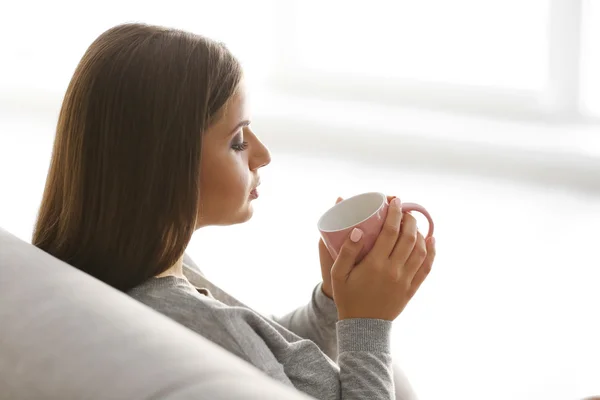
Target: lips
254 192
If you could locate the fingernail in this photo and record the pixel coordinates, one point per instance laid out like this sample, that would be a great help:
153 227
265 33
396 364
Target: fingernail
396 203
433 241
356 235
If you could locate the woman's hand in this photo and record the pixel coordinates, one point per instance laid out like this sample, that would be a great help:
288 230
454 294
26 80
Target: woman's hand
383 283
327 261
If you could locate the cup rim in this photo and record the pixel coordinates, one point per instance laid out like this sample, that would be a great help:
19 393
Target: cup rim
326 213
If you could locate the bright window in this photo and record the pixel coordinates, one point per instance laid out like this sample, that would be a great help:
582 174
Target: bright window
506 56
485 43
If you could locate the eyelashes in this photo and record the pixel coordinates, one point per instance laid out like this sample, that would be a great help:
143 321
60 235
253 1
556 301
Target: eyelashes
239 146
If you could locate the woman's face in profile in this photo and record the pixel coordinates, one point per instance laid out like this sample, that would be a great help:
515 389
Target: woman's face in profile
231 158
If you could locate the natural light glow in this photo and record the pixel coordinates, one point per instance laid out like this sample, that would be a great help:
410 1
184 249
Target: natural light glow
43 59
500 43
510 311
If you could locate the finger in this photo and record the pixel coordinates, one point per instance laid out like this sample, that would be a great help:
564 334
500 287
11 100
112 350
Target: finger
425 268
346 258
339 199
415 260
389 232
390 198
406 241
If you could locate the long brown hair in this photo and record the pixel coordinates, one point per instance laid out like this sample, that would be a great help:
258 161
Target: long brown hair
122 192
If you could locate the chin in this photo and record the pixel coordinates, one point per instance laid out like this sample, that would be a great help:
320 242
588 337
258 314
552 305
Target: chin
246 215
243 215
240 216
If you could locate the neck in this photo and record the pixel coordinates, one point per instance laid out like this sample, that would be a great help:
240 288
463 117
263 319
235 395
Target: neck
175 270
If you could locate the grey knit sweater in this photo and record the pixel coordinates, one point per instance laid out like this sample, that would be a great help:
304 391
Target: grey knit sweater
297 349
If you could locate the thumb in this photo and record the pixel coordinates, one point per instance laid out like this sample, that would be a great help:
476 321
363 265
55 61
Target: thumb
346 258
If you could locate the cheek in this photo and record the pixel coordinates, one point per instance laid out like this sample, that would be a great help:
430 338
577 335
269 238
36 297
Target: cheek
241 179
226 182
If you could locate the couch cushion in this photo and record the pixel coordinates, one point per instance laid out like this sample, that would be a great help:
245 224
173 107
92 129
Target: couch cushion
66 335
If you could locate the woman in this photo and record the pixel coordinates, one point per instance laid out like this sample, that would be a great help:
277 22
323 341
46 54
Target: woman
153 142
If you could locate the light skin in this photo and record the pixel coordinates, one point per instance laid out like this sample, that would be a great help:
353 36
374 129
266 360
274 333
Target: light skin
230 147
378 287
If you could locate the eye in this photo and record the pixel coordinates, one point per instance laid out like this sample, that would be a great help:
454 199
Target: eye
239 144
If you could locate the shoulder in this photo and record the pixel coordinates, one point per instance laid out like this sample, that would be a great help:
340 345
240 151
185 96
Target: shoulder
206 316
178 300
175 298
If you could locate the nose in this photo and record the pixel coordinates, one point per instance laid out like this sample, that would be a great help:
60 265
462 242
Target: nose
261 156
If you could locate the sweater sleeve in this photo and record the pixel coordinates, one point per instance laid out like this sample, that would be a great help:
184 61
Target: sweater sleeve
365 360
315 321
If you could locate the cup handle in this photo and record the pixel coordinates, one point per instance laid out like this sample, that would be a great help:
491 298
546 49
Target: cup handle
406 207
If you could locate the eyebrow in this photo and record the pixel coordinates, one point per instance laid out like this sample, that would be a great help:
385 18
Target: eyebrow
240 125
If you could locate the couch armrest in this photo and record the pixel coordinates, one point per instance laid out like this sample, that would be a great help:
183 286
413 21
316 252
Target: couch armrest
66 335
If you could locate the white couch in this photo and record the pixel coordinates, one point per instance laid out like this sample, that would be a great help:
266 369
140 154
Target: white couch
65 335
